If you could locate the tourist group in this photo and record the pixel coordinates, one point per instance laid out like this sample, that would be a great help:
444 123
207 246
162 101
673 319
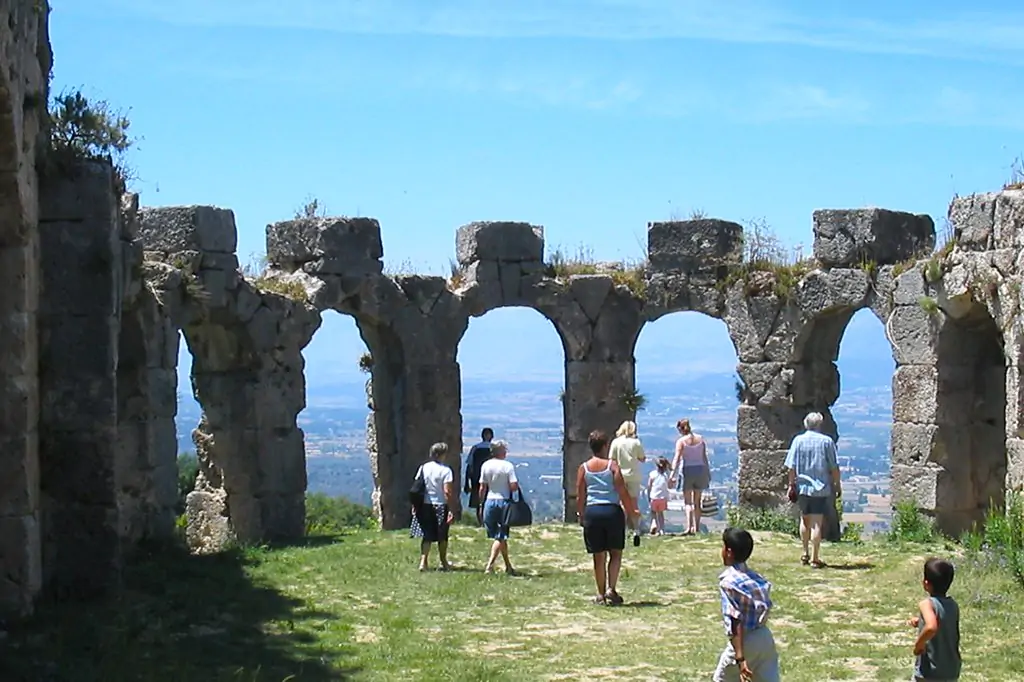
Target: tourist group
608 487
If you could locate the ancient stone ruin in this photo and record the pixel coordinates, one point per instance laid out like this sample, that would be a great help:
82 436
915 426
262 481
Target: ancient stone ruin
96 290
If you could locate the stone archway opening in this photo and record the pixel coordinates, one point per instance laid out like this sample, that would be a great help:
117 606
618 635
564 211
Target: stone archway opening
686 369
337 368
512 369
965 472
862 414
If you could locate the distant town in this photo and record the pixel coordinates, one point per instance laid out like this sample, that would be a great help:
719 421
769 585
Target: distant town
529 416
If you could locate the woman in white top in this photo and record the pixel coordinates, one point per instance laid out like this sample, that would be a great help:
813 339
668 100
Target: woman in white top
433 518
691 461
497 483
628 452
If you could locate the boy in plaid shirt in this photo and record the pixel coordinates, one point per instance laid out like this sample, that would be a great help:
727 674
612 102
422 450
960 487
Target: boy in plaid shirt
750 655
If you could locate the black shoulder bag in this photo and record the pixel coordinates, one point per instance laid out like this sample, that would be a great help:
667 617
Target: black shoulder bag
518 512
418 491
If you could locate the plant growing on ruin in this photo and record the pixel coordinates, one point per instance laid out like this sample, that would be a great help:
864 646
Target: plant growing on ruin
910 525
904 266
928 304
561 265
456 275
81 129
188 472
634 401
869 266
311 208
742 392
195 291
1016 180
366 363
761 244
282 286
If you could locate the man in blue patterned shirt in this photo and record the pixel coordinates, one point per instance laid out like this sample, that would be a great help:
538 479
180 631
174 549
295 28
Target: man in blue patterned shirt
750 655
813 477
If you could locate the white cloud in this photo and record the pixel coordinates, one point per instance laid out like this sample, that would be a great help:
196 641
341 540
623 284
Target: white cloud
997 36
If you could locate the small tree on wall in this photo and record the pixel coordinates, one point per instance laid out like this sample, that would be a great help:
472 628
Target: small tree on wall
83 129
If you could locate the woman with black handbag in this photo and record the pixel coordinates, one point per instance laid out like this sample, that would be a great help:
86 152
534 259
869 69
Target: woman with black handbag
498 483
433 498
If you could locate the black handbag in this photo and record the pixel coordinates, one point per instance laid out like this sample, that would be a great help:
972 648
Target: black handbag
518 512
418 491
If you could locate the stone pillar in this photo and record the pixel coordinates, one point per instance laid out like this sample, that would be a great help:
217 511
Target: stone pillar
147 382
78 329
25 61
247 373
595 398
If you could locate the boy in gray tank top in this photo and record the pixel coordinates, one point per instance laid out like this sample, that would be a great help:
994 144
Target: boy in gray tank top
937 647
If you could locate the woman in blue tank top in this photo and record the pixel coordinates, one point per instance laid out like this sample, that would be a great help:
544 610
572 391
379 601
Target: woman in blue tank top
601 497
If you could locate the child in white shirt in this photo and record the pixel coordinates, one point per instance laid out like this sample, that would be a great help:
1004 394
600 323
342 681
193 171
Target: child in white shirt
657 493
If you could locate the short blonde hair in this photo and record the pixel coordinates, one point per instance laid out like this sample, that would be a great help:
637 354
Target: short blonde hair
627 428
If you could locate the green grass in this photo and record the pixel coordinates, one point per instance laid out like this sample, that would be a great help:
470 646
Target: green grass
357 609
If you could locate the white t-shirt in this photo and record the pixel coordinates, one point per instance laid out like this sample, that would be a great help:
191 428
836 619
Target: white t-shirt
659 485
435 475
498 475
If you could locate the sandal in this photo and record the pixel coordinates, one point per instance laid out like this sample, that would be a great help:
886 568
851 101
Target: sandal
614 598
600 600
805 559
818 564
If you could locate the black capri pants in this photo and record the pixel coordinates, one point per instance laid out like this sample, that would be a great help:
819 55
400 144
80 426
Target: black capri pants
604 528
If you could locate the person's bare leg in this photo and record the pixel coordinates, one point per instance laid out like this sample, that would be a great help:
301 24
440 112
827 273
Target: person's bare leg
696 511
504 555
442 550
661 522
424 554
816 520
614 565
805 534
495 550
691 511
600 577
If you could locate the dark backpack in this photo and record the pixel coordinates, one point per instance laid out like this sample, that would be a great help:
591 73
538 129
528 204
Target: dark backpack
418 491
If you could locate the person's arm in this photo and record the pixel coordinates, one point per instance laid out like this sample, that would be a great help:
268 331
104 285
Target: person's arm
641 456
931 626
513 482
836 483
790 464
620 485
581 493
468 487
732 611
704 452
481 496
677 459
449 497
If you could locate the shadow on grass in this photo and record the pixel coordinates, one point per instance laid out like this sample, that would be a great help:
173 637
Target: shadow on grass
641 605
858 566
176 617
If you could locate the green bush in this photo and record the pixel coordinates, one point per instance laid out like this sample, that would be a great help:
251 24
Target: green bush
1003 537
910 525
755 518
326 515
188 470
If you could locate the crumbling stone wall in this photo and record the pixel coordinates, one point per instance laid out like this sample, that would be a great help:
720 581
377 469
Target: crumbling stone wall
247 373
24 65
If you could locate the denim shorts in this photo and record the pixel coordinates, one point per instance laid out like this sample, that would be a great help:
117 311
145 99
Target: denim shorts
494 519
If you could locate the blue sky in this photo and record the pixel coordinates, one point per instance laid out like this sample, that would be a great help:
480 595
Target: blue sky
590 118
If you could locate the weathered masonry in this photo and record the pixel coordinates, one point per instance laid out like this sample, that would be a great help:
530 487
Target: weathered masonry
95 291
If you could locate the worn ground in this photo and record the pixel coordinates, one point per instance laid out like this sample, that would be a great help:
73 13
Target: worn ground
355 608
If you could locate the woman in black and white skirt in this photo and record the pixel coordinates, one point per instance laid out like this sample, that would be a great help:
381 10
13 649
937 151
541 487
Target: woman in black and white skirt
432 519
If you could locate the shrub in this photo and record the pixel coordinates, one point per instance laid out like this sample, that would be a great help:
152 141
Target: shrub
275 284
81 129
910 525
1003 536
764 519
633 401
188 471
366 363
326 515
631 274
311 208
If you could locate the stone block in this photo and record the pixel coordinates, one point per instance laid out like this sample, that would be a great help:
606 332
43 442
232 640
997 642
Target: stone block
1008 221
335 246
1015 464
81 549
19 279
93 338
913 332
849 237
84 193
915 394
18 346
594 397
590 291
509 242
932 488
694 245
763 469
973 219
282 516
209 528
909 288
177 229
78 466
79 268
282 462
20 564
917 445
19 484
766 428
